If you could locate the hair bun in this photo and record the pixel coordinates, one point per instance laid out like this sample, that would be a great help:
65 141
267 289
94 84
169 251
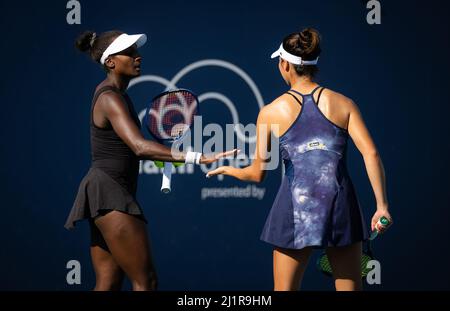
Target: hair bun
85 41
305 44
309 42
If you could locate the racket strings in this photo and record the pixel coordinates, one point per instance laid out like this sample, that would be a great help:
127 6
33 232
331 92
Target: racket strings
324 264
172 114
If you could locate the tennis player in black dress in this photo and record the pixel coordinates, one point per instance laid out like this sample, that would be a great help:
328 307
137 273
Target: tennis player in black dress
107 194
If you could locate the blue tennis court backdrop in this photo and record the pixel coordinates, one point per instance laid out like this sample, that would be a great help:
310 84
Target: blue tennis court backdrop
205 234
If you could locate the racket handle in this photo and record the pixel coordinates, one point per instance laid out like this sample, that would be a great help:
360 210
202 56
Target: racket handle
383 221
166 178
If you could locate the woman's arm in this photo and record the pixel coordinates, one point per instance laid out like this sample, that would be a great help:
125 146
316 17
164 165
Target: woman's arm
374 166
256 171
113 109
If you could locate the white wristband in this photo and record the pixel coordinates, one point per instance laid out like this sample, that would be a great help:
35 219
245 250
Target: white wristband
197 158
192 157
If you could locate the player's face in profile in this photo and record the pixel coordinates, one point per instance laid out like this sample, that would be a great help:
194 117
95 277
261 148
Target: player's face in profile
128 62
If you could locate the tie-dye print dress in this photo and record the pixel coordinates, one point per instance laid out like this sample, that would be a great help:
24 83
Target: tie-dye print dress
316 204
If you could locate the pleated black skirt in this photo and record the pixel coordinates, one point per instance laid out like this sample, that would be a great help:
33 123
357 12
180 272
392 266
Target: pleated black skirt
98 193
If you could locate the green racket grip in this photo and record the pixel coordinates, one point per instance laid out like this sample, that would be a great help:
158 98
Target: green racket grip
382 221
160 164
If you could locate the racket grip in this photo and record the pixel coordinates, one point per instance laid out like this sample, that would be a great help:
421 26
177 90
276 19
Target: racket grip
383 221
166 178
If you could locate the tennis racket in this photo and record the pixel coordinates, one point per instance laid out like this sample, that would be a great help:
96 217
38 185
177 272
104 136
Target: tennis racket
168 118
323 264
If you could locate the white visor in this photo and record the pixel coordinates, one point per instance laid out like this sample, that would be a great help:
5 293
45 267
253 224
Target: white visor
123 42
293 59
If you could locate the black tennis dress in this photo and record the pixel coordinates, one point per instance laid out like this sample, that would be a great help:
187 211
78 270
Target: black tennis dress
111 182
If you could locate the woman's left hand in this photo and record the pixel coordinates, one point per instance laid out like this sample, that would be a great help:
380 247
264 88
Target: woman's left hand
378 214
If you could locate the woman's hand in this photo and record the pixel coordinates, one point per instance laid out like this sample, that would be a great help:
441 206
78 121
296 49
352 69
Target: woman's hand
208 159
223 170
378 214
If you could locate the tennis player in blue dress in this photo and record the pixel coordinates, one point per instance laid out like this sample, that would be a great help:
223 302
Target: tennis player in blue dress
316 205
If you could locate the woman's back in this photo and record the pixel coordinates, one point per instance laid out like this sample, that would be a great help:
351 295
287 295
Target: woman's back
317 192
334 106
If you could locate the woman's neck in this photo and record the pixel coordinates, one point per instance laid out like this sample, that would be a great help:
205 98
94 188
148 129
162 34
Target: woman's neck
302 83
117 81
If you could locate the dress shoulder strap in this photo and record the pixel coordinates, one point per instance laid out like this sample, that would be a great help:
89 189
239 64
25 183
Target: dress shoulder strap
318 96
295 97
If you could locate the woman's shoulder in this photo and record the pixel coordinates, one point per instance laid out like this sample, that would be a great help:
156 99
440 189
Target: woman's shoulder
336 96
108 98
336 99
277 110
275 104
105 87
105 90
281 100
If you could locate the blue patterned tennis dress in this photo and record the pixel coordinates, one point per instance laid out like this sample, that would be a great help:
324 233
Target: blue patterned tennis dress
316 204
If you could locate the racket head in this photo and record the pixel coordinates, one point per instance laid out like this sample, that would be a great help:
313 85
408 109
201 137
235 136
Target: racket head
367 256
324 266
170 115
364 260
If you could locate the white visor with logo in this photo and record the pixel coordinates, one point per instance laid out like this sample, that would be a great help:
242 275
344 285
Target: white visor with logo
123 42
293 59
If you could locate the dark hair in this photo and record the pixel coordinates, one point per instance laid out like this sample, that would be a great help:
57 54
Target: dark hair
95 45
305 44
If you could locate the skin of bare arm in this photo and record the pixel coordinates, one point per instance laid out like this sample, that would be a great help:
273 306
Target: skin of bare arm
256 171
112 110
374 166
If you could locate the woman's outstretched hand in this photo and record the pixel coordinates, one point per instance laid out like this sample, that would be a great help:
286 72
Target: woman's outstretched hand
222 170
207 159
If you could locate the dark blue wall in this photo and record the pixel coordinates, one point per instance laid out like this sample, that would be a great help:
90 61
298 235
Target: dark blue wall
396 72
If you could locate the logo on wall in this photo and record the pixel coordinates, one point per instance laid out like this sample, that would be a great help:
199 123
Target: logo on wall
250 191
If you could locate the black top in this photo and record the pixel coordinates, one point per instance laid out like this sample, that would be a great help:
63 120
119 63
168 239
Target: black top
109 152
